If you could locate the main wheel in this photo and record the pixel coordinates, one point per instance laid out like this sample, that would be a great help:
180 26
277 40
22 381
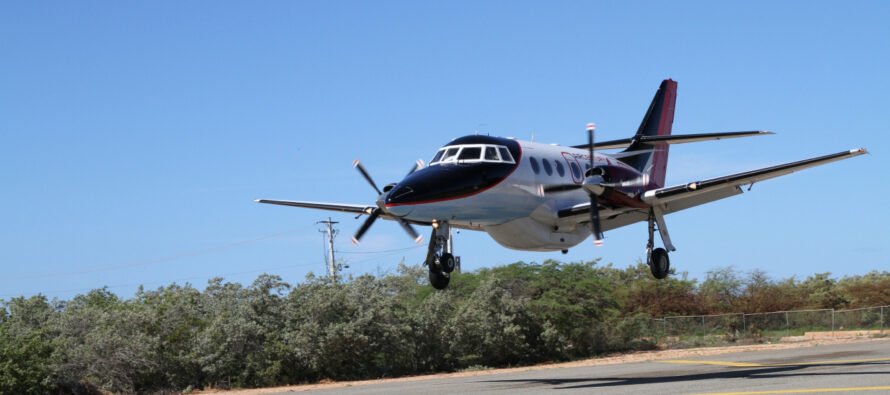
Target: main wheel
439 280
659 263
447 262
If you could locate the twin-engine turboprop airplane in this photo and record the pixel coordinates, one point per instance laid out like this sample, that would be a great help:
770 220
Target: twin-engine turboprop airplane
539 197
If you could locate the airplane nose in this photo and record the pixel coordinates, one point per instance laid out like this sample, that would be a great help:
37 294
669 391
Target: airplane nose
395 200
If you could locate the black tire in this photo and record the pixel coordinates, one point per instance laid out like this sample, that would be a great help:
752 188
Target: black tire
447 262
439 280
659 263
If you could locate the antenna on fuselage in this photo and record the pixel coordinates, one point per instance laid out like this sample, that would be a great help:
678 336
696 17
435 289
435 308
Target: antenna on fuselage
479 126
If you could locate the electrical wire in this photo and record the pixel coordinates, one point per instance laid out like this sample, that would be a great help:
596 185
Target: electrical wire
379 251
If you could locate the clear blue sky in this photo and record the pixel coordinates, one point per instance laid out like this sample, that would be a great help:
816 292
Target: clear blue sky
134 136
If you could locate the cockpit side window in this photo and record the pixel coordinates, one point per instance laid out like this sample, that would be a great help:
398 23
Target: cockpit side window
491 153
438 155
505 155
472 153
450 154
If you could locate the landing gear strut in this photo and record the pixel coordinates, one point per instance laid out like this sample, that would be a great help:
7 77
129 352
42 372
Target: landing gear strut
657 258
440 258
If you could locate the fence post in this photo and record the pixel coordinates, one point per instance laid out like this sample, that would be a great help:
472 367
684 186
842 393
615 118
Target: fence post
703 327
664 325
882 320
832 323
787 325
744 325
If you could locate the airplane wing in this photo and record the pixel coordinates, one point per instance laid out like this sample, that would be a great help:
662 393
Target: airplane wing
681 197
346 208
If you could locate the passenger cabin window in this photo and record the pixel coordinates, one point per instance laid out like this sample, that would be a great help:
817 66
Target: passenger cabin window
534 162
472 153
559 169
547 168
576 170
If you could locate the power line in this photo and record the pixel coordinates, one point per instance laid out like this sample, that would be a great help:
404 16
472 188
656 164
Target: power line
381 251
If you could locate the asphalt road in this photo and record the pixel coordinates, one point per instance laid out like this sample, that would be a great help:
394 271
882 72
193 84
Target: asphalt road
860 367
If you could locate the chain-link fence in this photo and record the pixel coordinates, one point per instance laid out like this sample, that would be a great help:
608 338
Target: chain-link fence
823 323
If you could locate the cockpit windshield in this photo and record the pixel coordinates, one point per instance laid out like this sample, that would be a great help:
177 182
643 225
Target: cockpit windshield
472 153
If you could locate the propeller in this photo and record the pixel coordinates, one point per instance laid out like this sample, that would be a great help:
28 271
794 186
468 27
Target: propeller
381 207
594 204
594 185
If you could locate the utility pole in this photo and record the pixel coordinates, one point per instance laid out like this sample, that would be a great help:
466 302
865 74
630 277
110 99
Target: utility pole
331 232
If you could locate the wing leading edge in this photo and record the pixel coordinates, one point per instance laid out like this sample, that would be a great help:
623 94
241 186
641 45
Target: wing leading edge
346 208
709 187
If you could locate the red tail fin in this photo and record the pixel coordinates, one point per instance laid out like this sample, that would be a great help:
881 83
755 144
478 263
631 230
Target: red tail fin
652 160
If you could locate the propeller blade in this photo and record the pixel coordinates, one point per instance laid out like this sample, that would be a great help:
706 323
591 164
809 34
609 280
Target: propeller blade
417 166
595 221
594 205
410 230
358 165
590 128
365 226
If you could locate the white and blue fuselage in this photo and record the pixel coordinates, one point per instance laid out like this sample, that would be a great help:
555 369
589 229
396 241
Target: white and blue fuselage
497 185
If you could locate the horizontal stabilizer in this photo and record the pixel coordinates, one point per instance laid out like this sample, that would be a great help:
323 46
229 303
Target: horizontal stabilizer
673 139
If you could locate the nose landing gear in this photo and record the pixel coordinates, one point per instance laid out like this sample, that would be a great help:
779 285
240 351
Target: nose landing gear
440 258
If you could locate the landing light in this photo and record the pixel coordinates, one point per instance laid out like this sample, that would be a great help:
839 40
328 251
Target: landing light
435 224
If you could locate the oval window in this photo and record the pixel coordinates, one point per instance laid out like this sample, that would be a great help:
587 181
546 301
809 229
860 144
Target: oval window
576 170
559 168
547 168
534 162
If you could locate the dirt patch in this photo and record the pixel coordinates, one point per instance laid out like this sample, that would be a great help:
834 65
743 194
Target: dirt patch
639 356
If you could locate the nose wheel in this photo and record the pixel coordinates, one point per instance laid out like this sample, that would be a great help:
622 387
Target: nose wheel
439 258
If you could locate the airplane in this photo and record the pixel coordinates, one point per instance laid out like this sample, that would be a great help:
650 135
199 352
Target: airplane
547 197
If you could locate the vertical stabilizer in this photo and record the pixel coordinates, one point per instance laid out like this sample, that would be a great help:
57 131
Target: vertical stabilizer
652 160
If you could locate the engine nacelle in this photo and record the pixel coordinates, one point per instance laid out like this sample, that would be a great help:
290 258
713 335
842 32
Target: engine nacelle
612 173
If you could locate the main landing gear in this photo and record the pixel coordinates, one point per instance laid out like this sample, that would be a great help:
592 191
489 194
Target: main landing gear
657 258
440 258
